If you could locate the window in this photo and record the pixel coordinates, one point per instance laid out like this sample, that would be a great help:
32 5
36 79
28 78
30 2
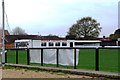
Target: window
22 44
50 43
43 44
64 44
79 43
57 44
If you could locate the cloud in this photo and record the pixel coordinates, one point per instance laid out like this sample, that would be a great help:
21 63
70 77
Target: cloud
59 14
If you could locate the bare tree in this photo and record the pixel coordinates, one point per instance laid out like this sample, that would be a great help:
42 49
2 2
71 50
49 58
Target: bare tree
19 31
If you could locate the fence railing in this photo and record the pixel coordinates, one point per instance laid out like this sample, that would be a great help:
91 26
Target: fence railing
57 52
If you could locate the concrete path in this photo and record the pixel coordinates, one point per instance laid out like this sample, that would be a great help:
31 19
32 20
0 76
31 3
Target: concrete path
0 72
72 71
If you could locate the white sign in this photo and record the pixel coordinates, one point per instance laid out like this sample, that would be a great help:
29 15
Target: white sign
65 56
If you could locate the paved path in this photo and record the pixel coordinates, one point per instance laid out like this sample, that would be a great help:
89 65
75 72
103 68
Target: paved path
72 71
0 73
0 67
25 73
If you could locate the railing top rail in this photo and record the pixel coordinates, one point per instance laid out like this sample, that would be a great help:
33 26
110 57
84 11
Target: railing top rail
65 48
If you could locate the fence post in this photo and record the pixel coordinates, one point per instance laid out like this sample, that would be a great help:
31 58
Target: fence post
41 57
28 57
97 60
6 57
57 56
74 58
16 56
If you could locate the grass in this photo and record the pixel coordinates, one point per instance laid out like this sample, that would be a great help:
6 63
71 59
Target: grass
11 56
22 57
108 59
86 59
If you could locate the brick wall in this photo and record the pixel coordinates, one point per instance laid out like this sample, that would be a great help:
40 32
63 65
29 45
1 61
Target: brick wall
7 46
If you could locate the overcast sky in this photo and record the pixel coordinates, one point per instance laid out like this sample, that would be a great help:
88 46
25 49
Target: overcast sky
56 16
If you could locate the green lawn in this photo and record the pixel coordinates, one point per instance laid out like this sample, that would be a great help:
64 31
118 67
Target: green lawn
22 57
108 59
86 59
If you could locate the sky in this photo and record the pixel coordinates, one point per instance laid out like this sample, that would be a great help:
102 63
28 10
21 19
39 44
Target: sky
44 17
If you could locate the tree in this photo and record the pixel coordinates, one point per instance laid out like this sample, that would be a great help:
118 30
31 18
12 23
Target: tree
117 32
19 31
86 28
115 35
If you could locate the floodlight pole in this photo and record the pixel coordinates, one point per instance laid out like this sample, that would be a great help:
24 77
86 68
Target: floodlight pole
3 33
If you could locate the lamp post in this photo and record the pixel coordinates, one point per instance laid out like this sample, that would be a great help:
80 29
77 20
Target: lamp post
3 33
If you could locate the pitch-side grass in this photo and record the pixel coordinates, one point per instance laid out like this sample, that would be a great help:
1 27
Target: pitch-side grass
108 59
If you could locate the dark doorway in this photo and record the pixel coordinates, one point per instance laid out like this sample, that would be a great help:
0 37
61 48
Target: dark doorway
71 44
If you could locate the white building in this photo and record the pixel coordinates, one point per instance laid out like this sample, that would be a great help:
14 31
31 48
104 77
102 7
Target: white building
56 43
